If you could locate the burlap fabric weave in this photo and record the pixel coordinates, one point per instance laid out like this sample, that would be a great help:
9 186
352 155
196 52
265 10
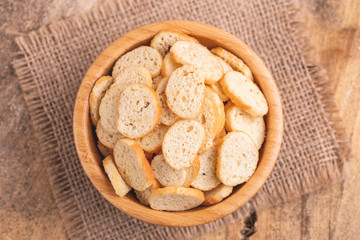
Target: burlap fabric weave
54 60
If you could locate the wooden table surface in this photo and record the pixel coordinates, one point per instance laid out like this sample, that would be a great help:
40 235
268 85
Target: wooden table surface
28 210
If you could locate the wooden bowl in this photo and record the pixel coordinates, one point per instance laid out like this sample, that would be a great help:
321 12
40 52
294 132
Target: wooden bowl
86 142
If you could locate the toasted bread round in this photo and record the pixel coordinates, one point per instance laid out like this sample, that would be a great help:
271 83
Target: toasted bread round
167 116
166 38
209 118
213 96
165 174
247 72
244 93
222 133
237 158
236 63
97 93
104 150
218 89
185 91
196 54
130 75
192 172
217 194
226 67
182 142
143 196
228 105
156 81
169 176
175 198
239 120
139 111
119 185
108 108
106 138
152 142
144 56
168 66
212 117
206 179
132 164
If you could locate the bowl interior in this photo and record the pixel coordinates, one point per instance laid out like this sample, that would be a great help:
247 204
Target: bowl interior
85 139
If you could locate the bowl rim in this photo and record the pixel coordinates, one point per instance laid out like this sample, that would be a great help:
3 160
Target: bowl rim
89 155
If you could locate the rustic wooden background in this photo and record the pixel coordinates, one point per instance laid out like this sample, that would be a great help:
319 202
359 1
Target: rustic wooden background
28 210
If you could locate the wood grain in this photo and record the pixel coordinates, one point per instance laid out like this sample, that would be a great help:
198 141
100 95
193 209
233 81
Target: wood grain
332 212
209 36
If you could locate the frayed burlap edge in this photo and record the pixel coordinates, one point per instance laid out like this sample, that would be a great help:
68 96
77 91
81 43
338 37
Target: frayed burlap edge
61 186
59 182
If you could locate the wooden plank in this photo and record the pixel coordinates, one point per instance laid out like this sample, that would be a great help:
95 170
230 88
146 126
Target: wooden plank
336 39
229 232
280 222
347 220
332 212
28 209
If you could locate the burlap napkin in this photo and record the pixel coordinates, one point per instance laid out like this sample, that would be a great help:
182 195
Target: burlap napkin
54 60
